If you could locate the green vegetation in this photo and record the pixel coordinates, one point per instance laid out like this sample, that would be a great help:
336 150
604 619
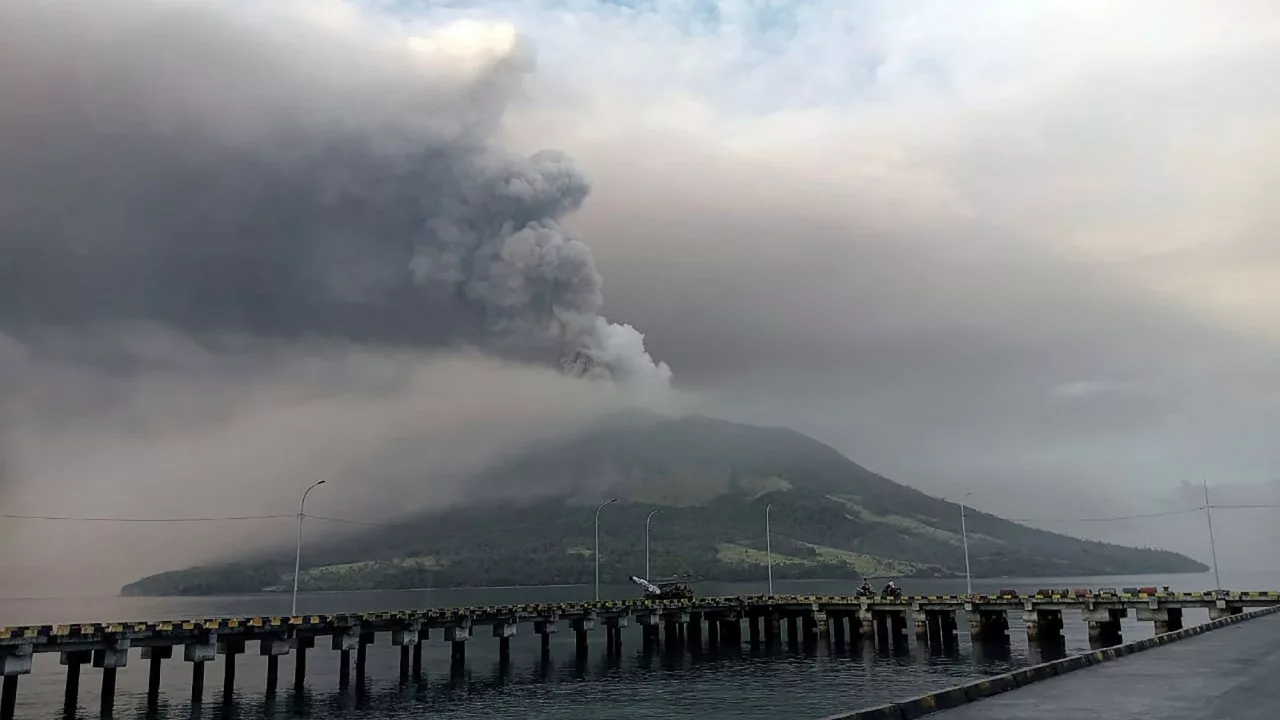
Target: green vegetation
711 479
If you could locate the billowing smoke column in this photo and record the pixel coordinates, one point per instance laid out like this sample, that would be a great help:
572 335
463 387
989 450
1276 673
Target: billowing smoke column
287 169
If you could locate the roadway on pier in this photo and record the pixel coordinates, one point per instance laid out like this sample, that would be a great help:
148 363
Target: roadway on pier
1228 673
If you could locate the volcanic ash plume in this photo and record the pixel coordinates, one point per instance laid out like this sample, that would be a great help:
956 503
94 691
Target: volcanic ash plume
288 169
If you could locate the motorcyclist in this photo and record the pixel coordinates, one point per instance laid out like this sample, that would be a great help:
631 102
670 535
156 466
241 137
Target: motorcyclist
865 589
891 590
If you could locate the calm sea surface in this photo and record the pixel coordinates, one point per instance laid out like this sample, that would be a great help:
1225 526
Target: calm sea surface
733 683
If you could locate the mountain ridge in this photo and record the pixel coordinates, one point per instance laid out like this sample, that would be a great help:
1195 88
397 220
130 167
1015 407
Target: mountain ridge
710 481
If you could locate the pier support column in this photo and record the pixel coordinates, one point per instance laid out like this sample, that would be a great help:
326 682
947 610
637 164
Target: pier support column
713 633
809 628
8 697
921 622
504 631
109 659
890 627
772 629
272 648
301 643
581 626
1165 619
457 637
198 654
988 625
836 623
695 631
73 660
648 622
406 638
546 628
424 634
866 624
155 656
1222 610
670 633
1104 623
14 661
229 648
362 659
793 630
753 630
344 641
1043 626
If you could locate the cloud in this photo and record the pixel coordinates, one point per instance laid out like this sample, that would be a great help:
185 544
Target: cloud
141 421
897 226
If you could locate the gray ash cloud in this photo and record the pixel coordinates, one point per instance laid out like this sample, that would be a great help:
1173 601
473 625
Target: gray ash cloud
222 169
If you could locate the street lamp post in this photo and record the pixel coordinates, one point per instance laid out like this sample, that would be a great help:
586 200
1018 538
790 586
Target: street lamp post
297 558
647 576
768 546
1213 547
964 536
597 552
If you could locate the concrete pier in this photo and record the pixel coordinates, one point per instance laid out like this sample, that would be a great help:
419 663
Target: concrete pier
809 619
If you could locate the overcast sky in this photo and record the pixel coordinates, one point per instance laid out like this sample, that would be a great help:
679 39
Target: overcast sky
1022 249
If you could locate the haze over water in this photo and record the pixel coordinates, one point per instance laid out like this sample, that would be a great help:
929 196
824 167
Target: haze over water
730 683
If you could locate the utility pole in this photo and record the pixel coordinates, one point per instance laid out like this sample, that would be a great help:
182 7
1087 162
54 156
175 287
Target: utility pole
768 546
964 536
1213 547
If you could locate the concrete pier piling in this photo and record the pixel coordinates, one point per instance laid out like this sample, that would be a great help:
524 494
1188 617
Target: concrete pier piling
109 659
581 626
272 648
345 639
423 636
9 697
836 623
362 658
301 644
810 624
155 657
693 632
199 654
406 639
73 660
457 636
988 625
1104 623
1043 625
545 629
504 632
